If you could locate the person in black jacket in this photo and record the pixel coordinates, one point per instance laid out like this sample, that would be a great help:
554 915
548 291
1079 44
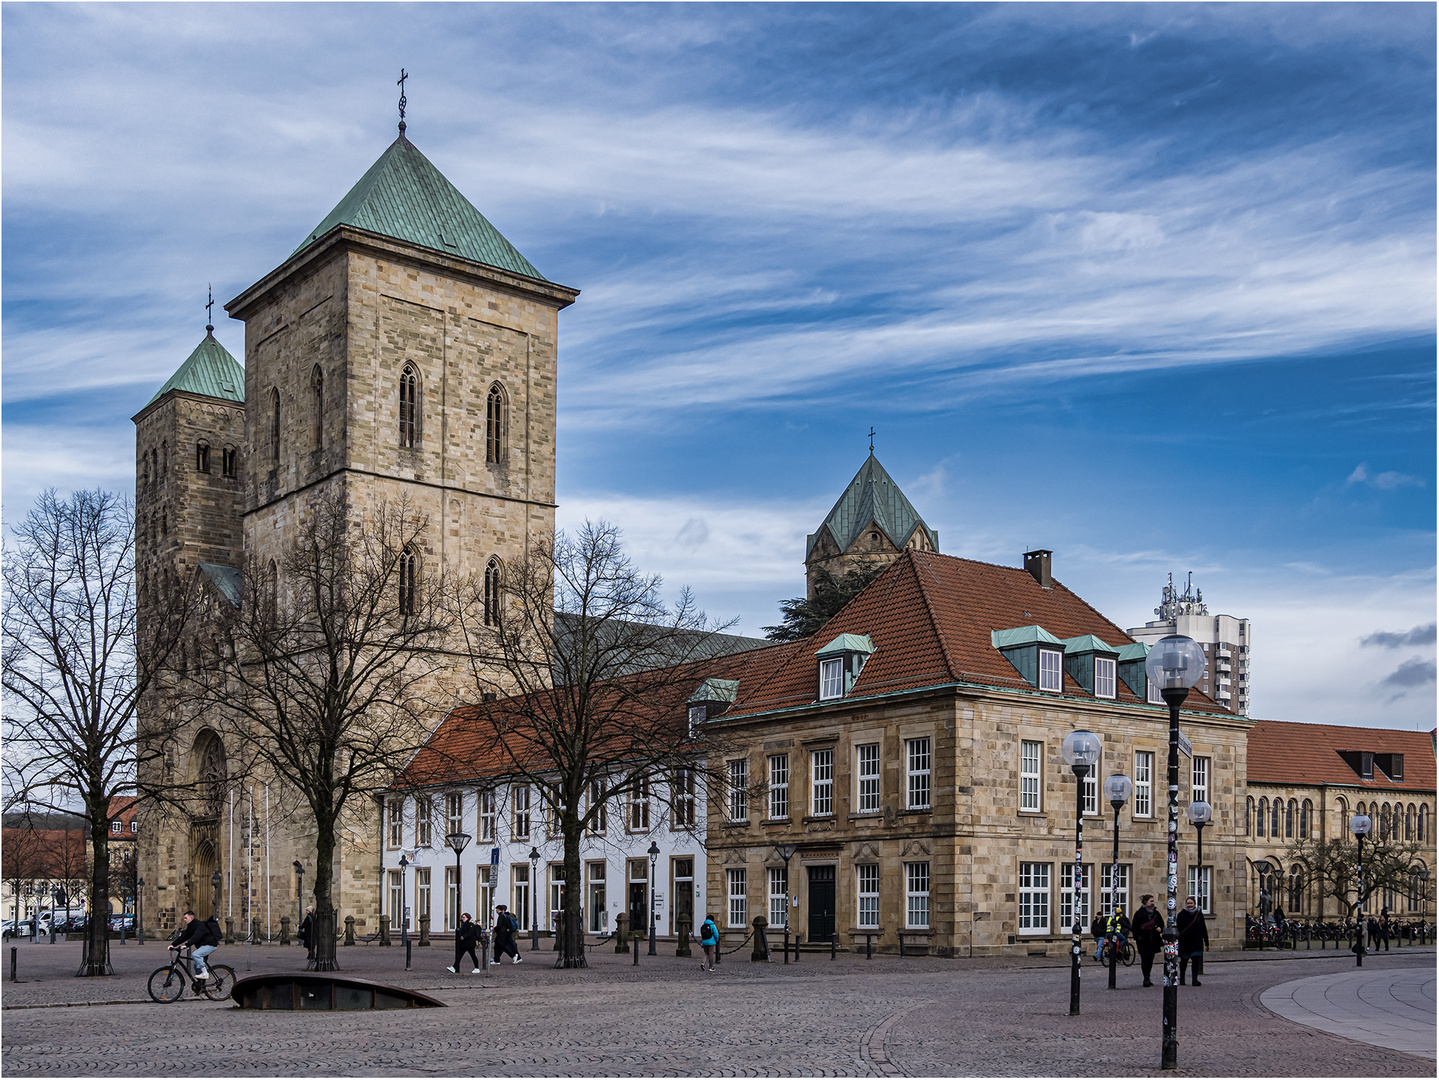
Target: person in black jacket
505 927
467 934
307 932
204 936
1148 934
1193 939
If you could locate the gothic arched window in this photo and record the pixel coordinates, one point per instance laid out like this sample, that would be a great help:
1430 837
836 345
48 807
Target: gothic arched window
1263 817
1304 814
1249 816
407 582
495 425
212 774
1296 889
1409 822
492 593
409 419
228 458
202 456
1274 811
317 387
1289 812
272 589
275 425
164 458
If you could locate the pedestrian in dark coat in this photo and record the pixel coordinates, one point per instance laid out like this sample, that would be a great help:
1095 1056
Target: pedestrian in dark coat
505 927
1193 939
1148 934
467 934
307 933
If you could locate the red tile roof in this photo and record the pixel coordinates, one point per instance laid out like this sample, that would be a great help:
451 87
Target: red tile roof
1283 752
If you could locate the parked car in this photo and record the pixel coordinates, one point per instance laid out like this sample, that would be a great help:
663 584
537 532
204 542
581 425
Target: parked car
22 929
72 924
117 920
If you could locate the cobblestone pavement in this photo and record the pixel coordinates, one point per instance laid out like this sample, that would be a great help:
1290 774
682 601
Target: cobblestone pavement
917 1016
1385 1007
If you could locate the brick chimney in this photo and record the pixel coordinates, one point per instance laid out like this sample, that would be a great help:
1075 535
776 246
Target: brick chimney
1037 564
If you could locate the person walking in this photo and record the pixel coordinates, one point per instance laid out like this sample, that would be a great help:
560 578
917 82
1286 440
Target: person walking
1148 935
467 934
709 939
307 933
505 927
1193 939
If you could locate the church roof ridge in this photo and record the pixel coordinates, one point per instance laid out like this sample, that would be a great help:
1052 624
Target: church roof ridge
871 496
405 197
209 370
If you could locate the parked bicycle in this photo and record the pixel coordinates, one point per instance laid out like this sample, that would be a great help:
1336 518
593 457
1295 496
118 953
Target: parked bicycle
168 982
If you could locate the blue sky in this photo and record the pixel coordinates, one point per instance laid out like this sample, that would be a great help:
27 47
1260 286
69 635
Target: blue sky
1152 286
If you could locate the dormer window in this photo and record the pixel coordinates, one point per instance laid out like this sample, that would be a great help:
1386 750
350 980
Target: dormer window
840 663
1051 670
1103 677
711 698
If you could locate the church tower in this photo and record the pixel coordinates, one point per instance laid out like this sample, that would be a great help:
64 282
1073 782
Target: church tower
869 526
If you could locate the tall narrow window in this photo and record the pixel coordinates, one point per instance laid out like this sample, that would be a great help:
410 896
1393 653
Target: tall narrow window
682 799
1122 891
454 813
317 390
916 896
1274 811
1199 877
1051 670
831 679
1033 898
395 818
1305 812
1103 677
868 777
407 581
868 889
1261 819
422 821
1143 783
599 823
408 408
164 457
821 770
1030 754
1199 780
492 593
778 878
735 882
1290 812
1249 816
228 460
520 796
917 759
1066 894
738 790
202 456
274 425
487 814
779 786
640 805
422 893
495 425
1091 789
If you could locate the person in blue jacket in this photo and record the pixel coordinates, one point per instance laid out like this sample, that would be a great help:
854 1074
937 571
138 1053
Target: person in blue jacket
709 938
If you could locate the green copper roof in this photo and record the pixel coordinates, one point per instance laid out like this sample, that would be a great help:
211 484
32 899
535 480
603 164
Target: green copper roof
226 579
1135 651
1087 643
405 197
1022 635
872 496
848 643
210 370
716 690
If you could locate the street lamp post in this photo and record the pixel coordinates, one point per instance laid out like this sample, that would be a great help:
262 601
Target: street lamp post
1359 825
654 854
1175 663
1199 814
457 841
299 868
1117 789
140 911
403 914
1081 753
786 852
535 898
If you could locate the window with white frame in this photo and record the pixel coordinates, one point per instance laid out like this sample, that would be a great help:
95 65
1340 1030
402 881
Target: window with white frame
1199 780
1144 783
452 895
422 893
821 776
423 807
1121 891
736 886
454 813
778 878
520 894
600 822
1033 898
1199 878
1030 756
1066 895
867 774
397 899
1155 697
520 797
738 790
916 753
779 786
1051 670
697 716
831 679
488 814
868 893
395 816
639 817
682 799
916 896
1091 789
1103 677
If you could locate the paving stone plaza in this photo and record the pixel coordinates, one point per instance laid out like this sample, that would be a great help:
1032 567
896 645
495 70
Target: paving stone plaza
1270 1014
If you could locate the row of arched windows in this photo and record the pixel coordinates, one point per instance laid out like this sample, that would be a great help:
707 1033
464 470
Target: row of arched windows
158 462
411 415
1279 819
1396 821
1291 820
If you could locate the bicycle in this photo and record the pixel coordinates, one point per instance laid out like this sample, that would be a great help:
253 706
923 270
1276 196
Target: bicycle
1126 952
168 982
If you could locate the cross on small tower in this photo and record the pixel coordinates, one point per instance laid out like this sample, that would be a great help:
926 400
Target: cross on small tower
209 303
401 84
871 439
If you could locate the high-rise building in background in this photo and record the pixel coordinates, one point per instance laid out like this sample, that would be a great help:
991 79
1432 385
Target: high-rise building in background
1227 642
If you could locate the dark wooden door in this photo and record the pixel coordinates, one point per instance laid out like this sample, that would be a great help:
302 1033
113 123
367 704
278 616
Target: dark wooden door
821 902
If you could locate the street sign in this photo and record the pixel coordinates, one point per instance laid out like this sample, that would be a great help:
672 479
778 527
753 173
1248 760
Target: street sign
494 856
1184 745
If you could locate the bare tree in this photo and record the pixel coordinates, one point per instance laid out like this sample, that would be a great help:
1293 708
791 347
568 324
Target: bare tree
76 664
1333 866
323 676
582 672
22 858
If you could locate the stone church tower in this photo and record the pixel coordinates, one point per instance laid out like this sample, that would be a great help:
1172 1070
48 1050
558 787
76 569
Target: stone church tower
404 351
869 526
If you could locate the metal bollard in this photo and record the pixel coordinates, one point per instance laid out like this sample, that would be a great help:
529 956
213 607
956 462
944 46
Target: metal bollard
637 950
409 950
901 944
796 946
833 945
786 946
869 946
13 976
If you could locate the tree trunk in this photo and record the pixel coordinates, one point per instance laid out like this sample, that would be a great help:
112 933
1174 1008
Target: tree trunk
572 928
325 955
97 930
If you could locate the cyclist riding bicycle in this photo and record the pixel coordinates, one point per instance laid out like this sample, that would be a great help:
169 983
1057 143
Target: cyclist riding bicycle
204 936
1116 929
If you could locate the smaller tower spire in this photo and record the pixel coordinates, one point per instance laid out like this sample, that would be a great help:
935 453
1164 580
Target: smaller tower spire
401 84
209 304
871 438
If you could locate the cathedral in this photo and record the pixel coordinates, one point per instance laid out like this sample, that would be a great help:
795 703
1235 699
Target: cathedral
405 351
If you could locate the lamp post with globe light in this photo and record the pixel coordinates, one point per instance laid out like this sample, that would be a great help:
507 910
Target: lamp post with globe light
1175 663
1117 789
654 854
1359 825
1081 753
457 842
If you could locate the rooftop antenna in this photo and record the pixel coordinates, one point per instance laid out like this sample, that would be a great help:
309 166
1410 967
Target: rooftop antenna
209 303
871 438
401 84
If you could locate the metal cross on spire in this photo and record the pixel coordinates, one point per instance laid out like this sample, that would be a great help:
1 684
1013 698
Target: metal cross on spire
209 304
401 84
871 439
